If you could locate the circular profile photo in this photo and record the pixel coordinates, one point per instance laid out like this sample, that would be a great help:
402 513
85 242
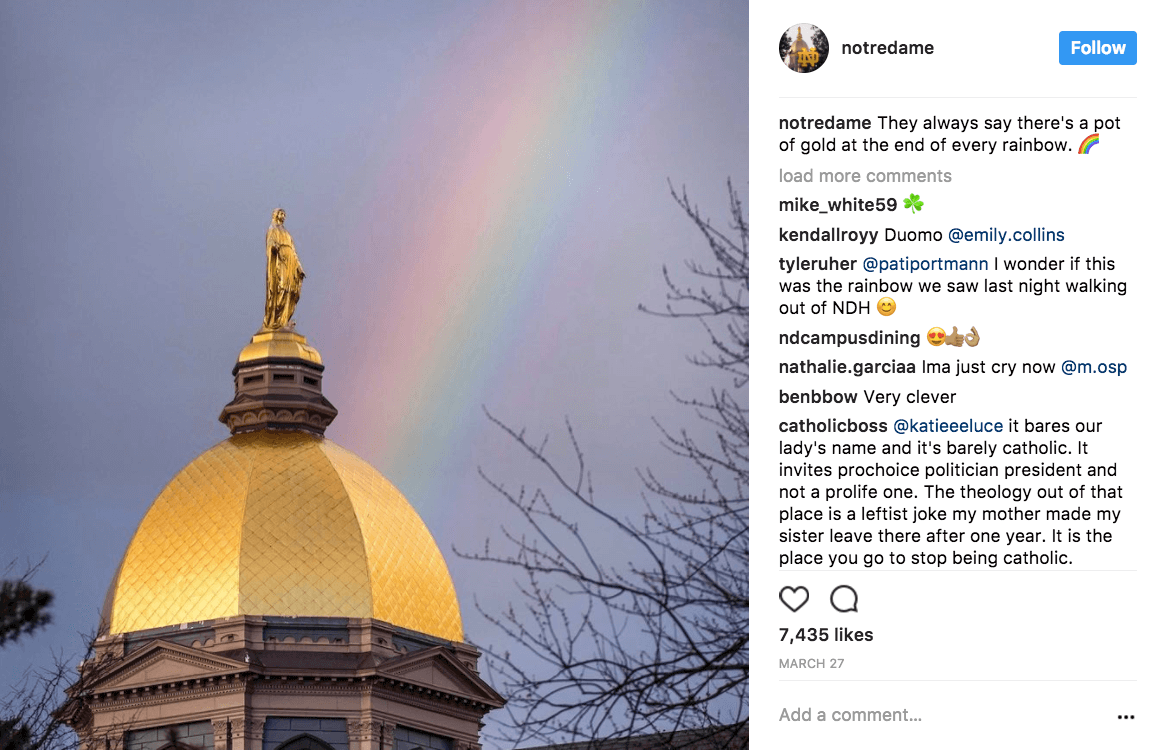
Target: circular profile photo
803 48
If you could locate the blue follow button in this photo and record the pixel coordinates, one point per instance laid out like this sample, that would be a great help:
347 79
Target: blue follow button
1098 47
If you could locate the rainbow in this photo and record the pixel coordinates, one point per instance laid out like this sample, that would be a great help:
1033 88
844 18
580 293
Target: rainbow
466 221
1088 143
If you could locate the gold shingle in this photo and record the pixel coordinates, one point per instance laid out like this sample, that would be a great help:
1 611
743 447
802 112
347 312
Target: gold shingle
282 523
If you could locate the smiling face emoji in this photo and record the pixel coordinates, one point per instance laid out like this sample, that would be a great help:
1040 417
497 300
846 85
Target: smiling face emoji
936 336
886 306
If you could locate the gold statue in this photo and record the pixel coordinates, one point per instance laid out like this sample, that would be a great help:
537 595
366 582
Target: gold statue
284 275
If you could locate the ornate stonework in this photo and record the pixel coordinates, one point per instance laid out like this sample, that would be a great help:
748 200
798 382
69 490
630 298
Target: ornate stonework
253 729
376 679
360 730
278 386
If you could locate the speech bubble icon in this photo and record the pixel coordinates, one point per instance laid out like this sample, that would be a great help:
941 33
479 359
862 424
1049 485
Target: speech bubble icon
844 599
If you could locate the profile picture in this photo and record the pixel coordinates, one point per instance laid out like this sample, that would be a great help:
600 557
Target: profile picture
803 48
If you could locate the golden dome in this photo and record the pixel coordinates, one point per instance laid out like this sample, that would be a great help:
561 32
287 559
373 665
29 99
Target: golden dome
283 524
798 44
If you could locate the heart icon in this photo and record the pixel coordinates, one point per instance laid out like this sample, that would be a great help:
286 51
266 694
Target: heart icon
794 597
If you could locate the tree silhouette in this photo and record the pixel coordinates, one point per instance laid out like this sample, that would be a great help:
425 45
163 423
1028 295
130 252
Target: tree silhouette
657 643
34 714
23 609
818 40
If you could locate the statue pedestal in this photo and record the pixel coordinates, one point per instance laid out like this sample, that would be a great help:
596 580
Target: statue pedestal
278 379
284 343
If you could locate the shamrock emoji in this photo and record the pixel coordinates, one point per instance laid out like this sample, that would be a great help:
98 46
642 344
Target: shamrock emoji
913 202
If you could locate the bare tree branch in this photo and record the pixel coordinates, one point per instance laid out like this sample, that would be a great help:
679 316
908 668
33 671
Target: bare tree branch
658 642
36 713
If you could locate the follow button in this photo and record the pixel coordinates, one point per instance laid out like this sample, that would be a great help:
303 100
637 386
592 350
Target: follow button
1098 47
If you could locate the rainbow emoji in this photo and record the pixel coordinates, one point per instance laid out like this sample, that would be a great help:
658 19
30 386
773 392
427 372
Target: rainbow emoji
1088 143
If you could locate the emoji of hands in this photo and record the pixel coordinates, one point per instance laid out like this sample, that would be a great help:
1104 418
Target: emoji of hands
954 338
973 338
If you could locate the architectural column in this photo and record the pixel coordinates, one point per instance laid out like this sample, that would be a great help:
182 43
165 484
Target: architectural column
385 735
252 731
220 728
363 734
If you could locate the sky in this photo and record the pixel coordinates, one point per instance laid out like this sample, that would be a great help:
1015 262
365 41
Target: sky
478 192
